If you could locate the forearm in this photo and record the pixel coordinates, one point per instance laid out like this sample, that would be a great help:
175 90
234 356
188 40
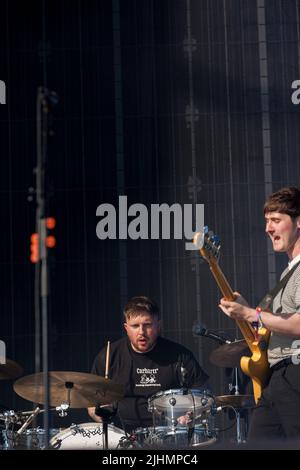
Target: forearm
91 412
286 324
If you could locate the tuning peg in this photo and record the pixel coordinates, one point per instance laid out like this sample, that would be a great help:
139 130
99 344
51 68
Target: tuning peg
216 239
211 235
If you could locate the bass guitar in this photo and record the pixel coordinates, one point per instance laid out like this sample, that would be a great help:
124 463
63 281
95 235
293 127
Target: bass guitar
257 366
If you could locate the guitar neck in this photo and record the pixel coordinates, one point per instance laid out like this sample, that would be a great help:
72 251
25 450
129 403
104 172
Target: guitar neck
244 326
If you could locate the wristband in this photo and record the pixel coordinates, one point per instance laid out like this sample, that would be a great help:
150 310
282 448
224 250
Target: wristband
258 322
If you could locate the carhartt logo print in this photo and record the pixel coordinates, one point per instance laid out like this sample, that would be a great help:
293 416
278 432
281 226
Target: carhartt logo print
147 378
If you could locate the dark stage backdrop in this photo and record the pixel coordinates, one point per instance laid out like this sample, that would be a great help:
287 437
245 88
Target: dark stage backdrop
164 101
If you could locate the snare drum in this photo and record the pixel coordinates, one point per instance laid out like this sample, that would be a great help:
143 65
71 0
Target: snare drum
87 436
167 430
167 406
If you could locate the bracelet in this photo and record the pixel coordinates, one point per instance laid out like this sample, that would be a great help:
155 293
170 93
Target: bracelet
258 323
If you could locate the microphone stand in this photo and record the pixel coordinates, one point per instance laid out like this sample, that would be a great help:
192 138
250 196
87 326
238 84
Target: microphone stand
199 330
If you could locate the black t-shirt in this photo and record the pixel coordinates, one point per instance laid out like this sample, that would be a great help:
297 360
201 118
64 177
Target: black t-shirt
168 365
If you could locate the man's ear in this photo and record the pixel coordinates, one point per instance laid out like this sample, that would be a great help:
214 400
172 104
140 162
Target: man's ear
125 326
298 222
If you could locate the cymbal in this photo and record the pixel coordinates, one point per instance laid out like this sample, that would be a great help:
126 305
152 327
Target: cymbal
77 389
10 370
229 355
237 401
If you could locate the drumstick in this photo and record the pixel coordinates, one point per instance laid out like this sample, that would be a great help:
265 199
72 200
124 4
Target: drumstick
107 359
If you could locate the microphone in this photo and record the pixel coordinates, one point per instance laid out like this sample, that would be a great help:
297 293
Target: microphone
201 330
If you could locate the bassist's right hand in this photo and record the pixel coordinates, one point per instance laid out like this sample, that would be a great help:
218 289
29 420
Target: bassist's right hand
238 309
240 299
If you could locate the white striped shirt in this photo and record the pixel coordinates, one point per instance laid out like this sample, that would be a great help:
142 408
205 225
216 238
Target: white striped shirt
286 301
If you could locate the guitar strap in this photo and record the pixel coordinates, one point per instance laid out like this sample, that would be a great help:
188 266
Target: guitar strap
265 303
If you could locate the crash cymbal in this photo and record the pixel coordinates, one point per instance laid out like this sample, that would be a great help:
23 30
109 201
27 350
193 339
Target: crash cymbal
229 355
10 370
77 389
237 401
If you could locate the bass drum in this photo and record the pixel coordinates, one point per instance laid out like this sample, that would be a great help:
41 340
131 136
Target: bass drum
87 436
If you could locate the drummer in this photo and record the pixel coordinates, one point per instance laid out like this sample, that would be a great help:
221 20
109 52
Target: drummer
145 363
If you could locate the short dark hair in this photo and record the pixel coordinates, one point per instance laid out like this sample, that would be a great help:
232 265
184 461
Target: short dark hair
285 201
137 305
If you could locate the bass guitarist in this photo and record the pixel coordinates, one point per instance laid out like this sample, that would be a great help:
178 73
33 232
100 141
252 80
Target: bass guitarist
277 414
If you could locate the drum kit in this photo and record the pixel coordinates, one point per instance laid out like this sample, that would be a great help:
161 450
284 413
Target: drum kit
181 418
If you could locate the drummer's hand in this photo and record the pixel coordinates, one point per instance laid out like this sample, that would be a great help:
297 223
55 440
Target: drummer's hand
238 308
185 419
91 412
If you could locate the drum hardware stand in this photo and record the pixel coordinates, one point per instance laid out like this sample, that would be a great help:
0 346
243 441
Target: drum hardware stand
240 439
191 428
45 98
124 442
62 409
13 417
106 413
65 405
204 399
10 417
172 402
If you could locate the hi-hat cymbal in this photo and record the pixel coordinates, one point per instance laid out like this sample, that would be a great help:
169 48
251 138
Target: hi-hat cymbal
237 401
10 370
229 355
77 389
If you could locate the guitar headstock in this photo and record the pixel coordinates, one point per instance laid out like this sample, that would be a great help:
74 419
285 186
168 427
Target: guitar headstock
208 244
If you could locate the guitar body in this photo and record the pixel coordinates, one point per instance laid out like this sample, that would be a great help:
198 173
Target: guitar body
257 366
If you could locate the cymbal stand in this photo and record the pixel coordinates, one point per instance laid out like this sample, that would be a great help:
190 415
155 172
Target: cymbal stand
45 98
10 417
62 409
240 439
41 271
106 413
